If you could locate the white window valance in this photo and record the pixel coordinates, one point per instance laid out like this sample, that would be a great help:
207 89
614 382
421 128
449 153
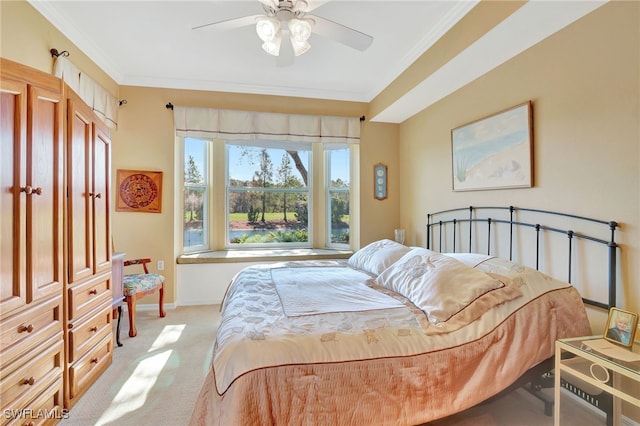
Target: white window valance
209 123
103 104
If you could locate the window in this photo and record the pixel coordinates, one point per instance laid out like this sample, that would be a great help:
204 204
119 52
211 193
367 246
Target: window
268 195
310 203
196 178
266 191
338 212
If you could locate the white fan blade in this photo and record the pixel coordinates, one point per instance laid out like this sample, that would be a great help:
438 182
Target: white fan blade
230 24
314 4
269 3
340 33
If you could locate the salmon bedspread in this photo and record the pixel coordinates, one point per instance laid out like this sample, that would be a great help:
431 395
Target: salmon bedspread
389 366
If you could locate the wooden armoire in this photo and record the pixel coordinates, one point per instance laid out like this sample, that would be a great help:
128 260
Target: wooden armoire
55 255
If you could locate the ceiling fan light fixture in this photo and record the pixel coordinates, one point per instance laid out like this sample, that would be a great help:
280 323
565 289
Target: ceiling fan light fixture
267 28
272 47
289 19
300 47
300 30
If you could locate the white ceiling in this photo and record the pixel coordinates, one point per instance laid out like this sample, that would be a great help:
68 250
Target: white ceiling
152 43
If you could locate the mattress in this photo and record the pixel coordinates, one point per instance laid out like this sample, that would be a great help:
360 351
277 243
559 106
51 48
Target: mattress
397 365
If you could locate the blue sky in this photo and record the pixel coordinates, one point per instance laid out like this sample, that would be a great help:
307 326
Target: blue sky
242 170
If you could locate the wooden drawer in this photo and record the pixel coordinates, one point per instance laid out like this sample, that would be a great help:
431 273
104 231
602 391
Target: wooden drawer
41 367
46 409
88 295
83 373
20 333
87 331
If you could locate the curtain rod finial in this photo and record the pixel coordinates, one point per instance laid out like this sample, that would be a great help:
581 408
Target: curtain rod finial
54 53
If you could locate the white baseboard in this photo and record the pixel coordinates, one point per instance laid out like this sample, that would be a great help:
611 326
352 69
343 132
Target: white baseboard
625 421
149 306
199 302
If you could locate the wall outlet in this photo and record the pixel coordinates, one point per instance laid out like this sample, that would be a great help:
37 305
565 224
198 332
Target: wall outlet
160 265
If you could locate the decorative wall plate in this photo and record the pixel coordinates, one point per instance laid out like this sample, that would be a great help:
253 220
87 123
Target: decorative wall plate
139 191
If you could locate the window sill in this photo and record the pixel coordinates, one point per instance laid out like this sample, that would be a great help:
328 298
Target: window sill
235 256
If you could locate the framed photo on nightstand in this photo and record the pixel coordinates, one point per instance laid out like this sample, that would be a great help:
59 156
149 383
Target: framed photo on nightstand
621 327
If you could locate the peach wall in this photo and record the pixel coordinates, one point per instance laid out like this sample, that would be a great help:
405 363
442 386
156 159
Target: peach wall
145 140
477 22
27 38
583 82
584 85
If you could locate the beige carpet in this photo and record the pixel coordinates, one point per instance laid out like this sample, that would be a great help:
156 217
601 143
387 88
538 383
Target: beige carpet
156 376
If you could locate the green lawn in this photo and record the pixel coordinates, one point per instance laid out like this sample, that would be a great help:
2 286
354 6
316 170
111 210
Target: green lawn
235 217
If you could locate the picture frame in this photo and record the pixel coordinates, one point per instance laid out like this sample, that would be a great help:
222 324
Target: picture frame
139 191
380 181
621 327
494 152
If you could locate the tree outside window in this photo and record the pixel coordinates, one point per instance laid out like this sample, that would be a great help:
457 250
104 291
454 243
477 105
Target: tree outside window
195 195
268 204
268 193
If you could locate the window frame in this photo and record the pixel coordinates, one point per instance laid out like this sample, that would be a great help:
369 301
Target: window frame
275 145
206 186
329 190
319 230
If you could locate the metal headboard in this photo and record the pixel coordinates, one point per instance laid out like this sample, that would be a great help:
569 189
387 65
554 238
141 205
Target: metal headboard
441 227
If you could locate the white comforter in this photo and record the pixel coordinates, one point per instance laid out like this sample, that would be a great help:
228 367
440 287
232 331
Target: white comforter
255 333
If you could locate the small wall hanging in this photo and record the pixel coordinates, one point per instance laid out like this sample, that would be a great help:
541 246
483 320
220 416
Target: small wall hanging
380 181
139 191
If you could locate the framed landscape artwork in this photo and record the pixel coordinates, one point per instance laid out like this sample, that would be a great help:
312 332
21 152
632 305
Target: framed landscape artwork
139 191
494 152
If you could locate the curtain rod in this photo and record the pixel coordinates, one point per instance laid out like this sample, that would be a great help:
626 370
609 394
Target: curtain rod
170 106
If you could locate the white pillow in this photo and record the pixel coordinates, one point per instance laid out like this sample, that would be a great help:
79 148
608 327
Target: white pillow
443 287
377 256
470 259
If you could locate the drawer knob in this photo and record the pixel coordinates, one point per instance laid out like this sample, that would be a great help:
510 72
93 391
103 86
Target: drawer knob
93 292
27 328
95 360
93 329
30 190
30 381
98 195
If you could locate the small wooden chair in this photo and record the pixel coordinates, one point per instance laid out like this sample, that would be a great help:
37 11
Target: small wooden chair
140 285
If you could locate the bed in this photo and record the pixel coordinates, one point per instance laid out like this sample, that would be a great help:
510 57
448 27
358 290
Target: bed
393 335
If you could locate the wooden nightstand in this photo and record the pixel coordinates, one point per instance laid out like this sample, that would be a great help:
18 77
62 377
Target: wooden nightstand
599 363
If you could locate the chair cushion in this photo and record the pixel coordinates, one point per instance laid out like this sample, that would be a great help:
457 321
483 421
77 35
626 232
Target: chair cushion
137 283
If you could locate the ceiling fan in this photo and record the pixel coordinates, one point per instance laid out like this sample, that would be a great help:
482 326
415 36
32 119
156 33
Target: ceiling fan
290 17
